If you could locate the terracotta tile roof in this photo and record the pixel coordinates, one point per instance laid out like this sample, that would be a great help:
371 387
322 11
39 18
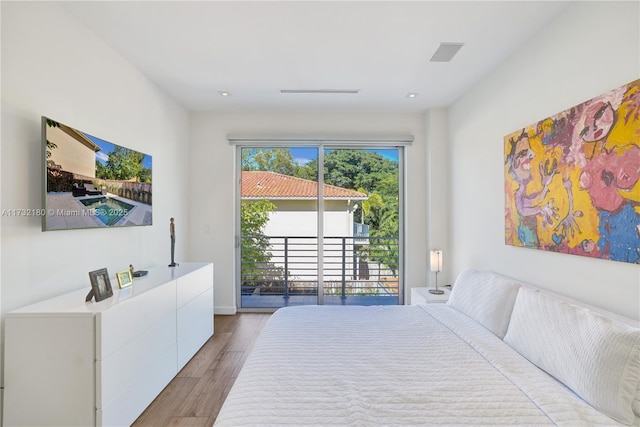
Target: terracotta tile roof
258 184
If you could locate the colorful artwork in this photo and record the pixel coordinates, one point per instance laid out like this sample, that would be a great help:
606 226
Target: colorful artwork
571 180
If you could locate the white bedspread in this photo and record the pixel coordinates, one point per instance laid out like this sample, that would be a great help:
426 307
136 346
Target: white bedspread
393 365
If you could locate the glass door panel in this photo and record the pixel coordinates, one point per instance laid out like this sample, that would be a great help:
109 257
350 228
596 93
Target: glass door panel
361 226
278 227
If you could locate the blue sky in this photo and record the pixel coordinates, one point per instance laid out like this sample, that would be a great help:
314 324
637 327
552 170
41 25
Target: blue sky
106 147
305 155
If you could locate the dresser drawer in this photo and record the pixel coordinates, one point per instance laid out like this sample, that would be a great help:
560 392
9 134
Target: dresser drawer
195 326
132 317
124 367
193 284
133 400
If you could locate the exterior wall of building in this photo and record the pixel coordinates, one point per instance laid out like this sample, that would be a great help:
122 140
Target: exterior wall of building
298 219
70 154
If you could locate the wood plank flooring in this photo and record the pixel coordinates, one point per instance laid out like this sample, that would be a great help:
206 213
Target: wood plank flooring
194 397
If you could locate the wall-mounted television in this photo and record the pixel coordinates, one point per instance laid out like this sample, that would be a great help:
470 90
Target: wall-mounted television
92 183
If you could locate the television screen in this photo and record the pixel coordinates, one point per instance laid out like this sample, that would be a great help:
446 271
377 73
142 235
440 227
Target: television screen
92 183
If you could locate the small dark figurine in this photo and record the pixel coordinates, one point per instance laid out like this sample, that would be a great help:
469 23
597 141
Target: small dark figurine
172 233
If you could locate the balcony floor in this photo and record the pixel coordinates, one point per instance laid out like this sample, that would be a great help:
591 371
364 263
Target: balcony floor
275 301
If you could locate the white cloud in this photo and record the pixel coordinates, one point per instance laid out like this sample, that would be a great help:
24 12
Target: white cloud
102 156
301 161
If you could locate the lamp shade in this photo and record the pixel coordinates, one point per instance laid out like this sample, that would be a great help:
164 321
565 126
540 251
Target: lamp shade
436 260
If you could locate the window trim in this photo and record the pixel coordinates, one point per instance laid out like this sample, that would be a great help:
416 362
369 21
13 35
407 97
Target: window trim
353 140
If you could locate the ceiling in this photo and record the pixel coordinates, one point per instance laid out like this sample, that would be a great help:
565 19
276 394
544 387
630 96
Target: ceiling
195 49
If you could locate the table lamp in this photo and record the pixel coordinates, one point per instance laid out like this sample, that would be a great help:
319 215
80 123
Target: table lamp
436 266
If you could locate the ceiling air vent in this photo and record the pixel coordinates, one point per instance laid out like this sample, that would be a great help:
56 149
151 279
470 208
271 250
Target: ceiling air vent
446 52
330 91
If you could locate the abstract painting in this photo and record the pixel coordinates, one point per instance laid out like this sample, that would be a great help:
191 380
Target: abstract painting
571 179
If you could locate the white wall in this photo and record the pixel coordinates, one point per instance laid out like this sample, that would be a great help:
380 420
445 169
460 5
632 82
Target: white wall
438 191
300 218
589 49
54 66
213 184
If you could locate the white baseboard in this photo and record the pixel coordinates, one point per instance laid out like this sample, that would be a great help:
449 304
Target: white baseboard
225 310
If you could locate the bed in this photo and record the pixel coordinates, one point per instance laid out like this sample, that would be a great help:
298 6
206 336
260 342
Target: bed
497 353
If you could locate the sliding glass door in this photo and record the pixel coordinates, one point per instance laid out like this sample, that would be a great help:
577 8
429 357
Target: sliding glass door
319 225
361 236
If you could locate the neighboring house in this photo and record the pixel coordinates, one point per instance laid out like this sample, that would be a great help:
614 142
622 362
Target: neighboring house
297 206
296 215
74 152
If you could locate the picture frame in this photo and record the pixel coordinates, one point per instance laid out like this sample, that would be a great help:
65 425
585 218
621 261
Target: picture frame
100 285
124 279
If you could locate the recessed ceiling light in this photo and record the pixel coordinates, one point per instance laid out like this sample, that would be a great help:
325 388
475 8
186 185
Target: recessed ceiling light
330 91
224 93
412 95
445 52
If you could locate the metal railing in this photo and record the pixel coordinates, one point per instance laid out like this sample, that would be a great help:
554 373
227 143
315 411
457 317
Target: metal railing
288 265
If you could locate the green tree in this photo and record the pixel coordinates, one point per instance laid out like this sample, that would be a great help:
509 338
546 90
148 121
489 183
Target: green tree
123 164
308 171
355 169
144 175
254 244
388 189
368 208
102 172
277 160
384 239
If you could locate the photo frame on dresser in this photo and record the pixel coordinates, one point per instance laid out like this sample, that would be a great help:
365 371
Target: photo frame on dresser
124 279
100 285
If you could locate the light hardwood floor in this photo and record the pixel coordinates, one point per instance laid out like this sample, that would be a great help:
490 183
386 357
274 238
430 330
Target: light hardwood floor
195 395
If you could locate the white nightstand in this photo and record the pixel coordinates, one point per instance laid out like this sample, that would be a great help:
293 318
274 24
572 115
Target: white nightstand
421 295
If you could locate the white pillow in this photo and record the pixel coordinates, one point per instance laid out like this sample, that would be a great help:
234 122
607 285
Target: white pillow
486 297
590 354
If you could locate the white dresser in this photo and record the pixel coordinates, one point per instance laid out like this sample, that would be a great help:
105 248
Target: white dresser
71 363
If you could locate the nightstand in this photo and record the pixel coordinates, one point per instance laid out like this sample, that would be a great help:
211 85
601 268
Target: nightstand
421 295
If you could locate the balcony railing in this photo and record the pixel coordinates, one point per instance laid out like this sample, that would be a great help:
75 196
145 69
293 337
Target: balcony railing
289 265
